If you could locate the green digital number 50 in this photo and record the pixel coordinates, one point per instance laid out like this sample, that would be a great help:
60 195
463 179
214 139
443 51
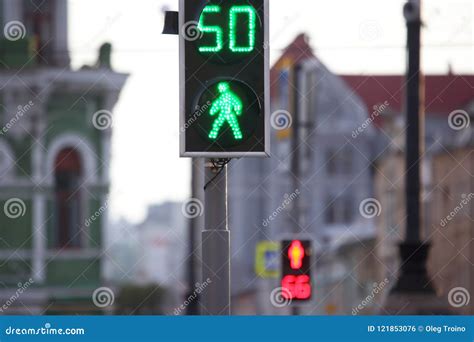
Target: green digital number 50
235 13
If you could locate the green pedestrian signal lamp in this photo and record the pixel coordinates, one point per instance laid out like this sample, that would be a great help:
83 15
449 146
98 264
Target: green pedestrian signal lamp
228 105
224 78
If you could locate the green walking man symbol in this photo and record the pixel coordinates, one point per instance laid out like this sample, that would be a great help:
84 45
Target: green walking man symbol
228 105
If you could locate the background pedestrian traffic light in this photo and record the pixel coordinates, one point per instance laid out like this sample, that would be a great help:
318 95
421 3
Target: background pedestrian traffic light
296 267
224 78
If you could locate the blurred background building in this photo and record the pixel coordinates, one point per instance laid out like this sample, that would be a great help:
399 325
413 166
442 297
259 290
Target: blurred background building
333 177
355 155
150 256
447 180
54 159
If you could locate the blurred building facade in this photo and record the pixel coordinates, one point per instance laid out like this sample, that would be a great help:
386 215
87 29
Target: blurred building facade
162 237
152 255
54 159
349 147
446 180
310 188
120 265
452 234
346 274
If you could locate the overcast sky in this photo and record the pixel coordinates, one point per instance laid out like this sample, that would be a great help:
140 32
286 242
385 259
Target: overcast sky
363 36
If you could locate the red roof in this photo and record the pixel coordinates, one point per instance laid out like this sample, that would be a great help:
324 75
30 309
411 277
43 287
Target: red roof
443 93
297 51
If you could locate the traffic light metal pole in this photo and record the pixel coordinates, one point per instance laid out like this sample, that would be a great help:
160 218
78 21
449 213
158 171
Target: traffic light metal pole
216 242
295 169
193 307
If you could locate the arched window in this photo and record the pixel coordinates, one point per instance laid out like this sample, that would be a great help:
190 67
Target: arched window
68 218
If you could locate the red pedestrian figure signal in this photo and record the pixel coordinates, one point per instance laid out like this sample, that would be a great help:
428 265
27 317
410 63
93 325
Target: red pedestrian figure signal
296 265
296 255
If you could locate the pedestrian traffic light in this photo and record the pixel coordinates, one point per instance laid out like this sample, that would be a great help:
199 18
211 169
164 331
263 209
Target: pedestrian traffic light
296 275
224 78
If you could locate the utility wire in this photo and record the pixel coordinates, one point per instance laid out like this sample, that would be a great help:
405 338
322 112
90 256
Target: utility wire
219 164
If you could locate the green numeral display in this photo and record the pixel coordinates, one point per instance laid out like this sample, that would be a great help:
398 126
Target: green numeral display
211 29
235 13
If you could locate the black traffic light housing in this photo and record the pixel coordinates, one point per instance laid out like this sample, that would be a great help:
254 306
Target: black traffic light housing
296 270
224 78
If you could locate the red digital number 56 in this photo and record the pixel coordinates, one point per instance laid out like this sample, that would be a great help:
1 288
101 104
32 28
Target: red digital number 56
297 287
